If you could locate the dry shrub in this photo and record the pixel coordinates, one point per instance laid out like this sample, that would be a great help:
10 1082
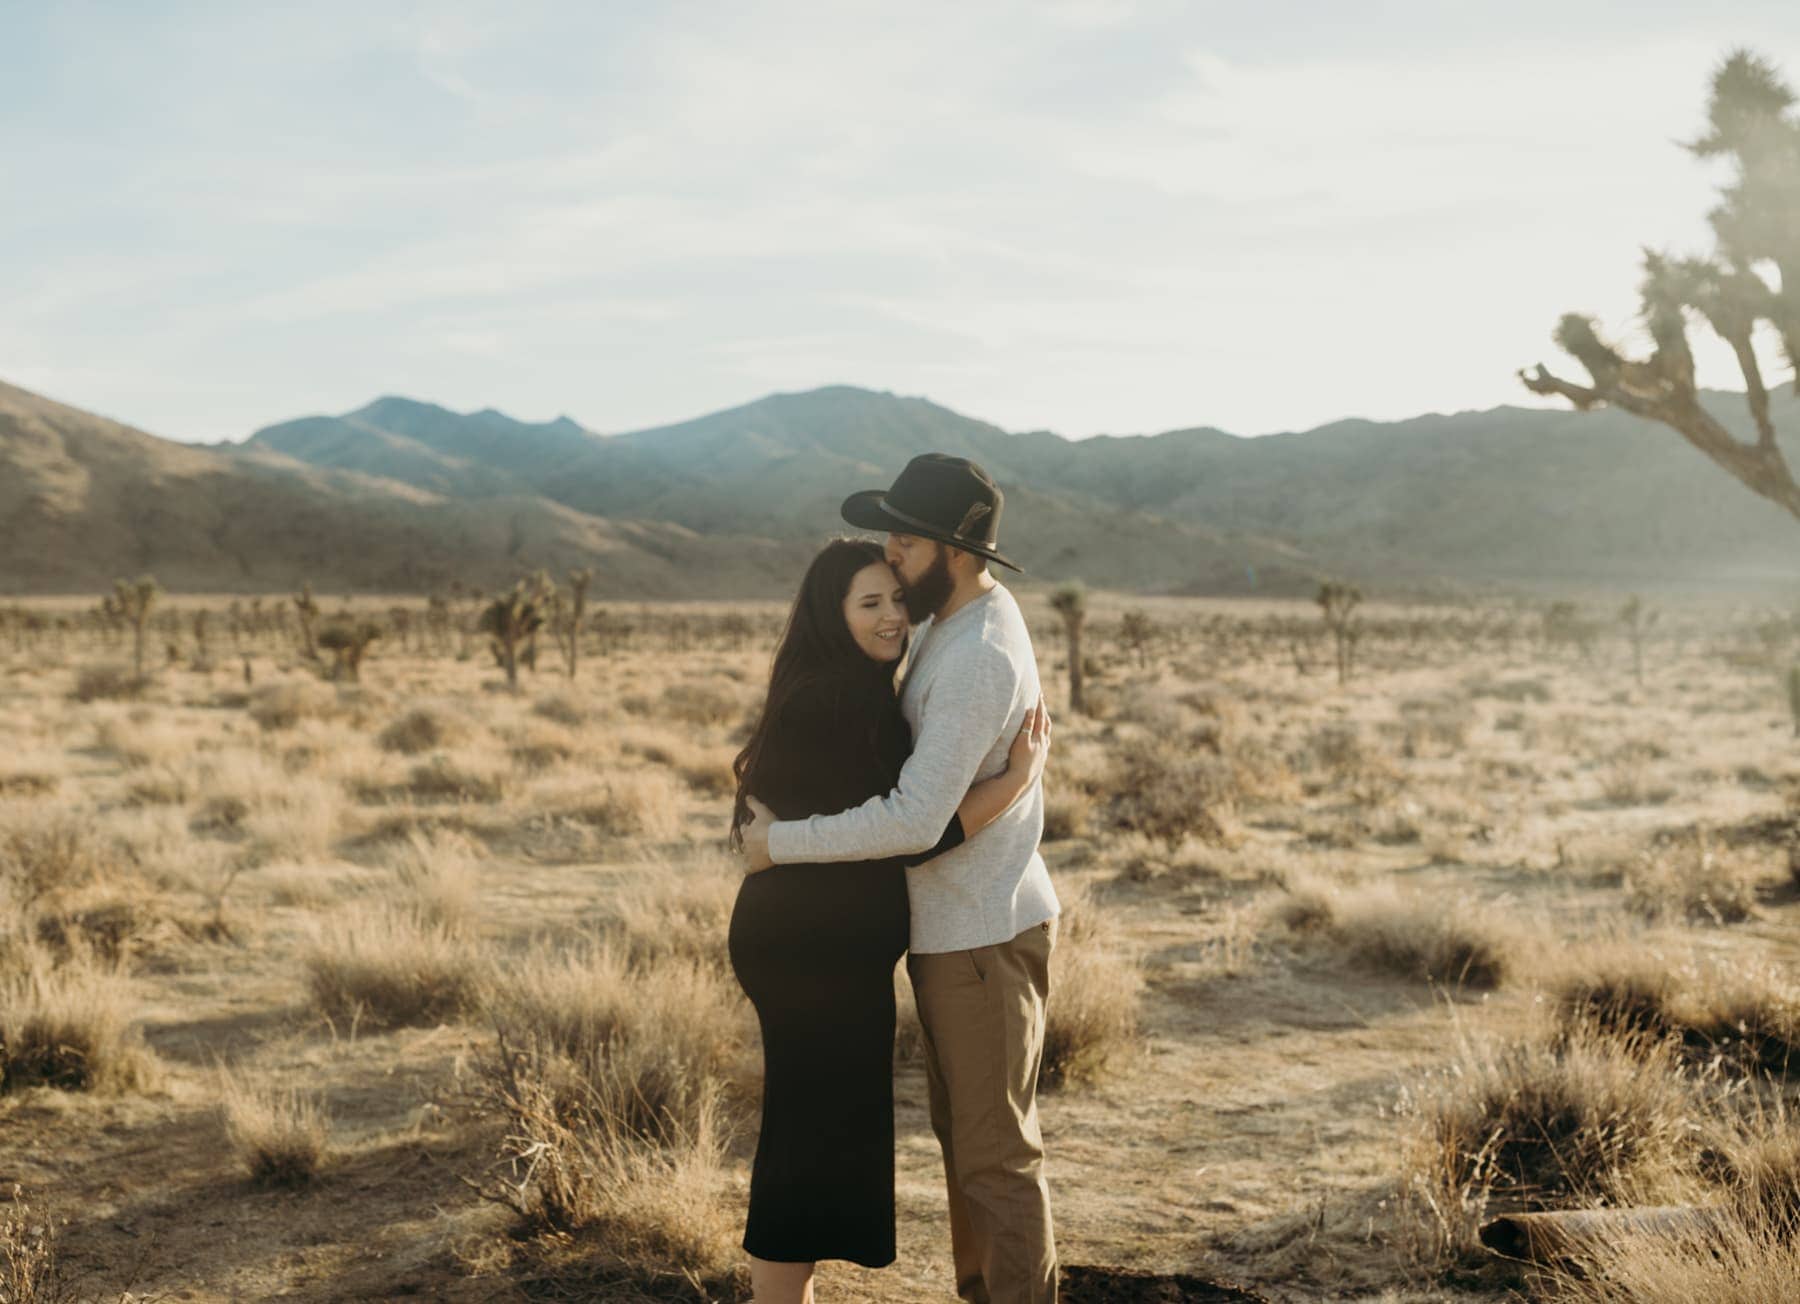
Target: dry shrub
1509 690
1442 726
1454 941
21 780
563 709
30 1270
707 770
659 1042
1688 877
538 745
423 729
69 1027
1068 812
282 706
1166 791
1545 1123
1626 778
392 968
107 682
1092 1018
622 804
279 1136
701 703
1732 1259
679 913
44 853
1742 1022
141 740
1338 754
440 873
626 1209
465 776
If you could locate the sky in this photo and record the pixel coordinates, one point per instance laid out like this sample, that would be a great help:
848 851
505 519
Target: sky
1118 216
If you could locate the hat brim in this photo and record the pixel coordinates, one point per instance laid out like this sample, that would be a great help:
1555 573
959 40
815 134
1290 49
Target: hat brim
865 512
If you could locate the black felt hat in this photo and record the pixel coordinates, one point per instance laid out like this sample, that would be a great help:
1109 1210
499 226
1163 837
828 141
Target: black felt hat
940 497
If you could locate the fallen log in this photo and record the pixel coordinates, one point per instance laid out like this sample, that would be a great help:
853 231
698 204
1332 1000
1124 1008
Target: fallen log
1561 1238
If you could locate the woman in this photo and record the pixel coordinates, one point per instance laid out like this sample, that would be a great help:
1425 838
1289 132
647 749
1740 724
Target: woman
814 946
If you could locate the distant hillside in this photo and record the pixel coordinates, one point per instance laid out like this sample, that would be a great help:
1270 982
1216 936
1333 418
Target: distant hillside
403 495
84 499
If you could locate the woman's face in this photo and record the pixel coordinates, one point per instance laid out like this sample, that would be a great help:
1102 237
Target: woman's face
875 611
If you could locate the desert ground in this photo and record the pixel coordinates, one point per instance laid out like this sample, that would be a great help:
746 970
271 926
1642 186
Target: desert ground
414 986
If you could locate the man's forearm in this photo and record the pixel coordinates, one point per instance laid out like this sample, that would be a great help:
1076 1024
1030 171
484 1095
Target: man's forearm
896 824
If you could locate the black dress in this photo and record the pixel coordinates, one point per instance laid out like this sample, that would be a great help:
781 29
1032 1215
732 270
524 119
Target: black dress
814 947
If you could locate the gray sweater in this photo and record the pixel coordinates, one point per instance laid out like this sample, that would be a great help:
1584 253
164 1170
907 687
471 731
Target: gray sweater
971 680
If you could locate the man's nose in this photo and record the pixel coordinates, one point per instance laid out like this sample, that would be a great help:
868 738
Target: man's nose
893 551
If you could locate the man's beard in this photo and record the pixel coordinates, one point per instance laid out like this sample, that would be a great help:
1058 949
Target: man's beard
925 595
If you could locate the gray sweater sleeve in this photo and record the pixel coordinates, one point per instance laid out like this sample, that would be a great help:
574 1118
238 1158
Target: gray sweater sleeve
967 708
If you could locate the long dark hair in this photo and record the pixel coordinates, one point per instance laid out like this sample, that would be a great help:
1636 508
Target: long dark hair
817 648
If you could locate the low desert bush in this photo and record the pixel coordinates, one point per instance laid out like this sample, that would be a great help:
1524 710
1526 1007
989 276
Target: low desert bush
282 706
106 683
660 1043
1545 1123
45 852
562 708
1743 1021
425 729
1727 1259
142 740
1440 726
1068 813
440 875
1691 878
1095 987
703 703
626 1209
1457 942
677 912
392 967
31 1272
460 776
69 1027
279 1136
638 803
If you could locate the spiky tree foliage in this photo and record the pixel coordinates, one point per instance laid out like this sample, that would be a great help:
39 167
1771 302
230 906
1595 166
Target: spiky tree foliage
1637 619
1338 602
578 587
132 603
511 619
308 612
1751 279
1070 602
1136 631
348 642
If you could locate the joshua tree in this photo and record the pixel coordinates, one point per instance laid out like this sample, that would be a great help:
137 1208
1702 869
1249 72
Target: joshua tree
1732 291
1637 621
1070 602
348 641
511 619
308 611
1339 602
1136 631
578 587
133 602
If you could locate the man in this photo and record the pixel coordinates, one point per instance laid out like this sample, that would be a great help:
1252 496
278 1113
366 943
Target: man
984 914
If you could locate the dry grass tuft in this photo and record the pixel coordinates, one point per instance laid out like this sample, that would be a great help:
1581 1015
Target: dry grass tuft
425 729
393 968
1542 1123
1092 1020
680 913
622 804
279 1137
30 1270
1733 1260
107 683
282 706
46 852
69 1027
1689 878
626 1209
1455 942
659 1042
440 873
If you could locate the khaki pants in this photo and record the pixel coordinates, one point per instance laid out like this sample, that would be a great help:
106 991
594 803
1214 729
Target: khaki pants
983 1016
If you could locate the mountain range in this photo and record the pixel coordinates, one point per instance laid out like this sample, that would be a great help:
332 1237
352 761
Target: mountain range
405 496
